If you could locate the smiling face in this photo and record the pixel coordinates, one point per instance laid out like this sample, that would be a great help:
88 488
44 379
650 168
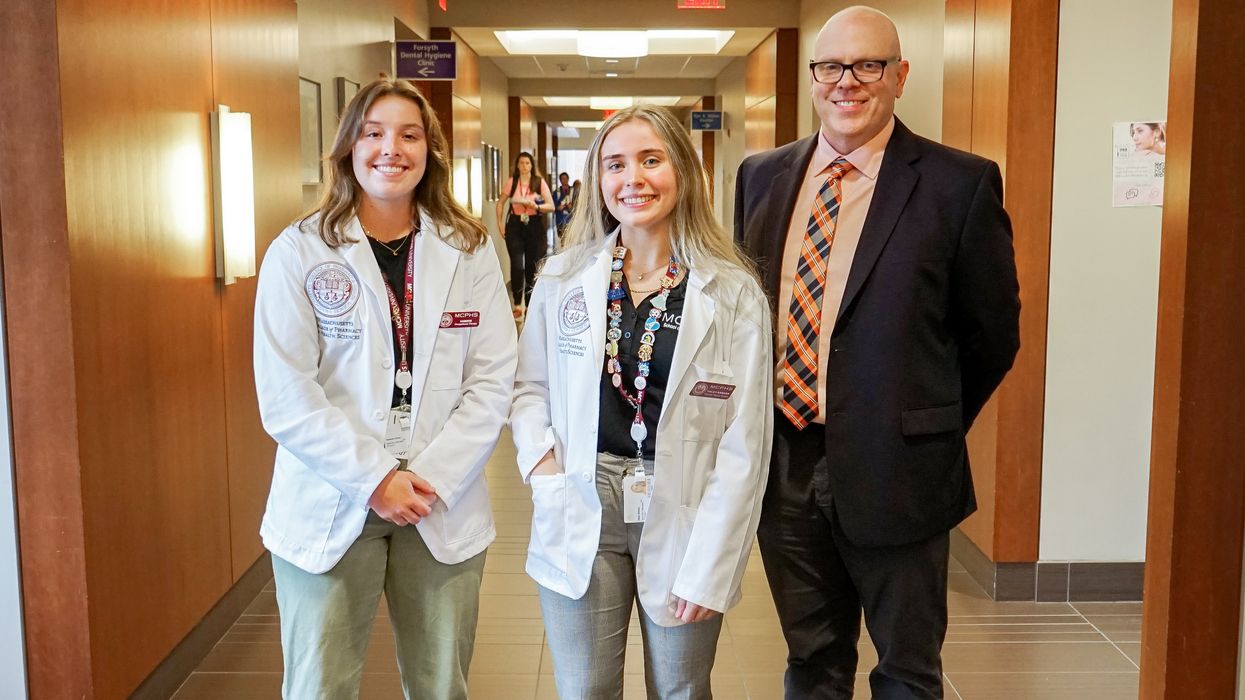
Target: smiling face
852 112
638 181
1144 137
391 152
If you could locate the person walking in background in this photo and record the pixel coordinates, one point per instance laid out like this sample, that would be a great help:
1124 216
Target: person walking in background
890 259
563 202
520 218
642 418
384 366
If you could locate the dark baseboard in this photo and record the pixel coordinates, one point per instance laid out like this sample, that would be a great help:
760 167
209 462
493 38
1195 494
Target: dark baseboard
190 652
1049 582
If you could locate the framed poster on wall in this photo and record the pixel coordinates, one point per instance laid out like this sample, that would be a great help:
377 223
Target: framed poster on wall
310 137
346 89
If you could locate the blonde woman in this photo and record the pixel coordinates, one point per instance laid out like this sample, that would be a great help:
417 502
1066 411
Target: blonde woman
642 417
384 366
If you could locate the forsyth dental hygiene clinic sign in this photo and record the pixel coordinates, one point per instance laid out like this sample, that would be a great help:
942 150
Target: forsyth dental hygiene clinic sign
426 60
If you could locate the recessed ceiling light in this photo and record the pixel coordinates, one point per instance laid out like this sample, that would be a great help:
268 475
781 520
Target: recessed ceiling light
622 44
566 101
590 126
611 75
612 44
611 60
611 102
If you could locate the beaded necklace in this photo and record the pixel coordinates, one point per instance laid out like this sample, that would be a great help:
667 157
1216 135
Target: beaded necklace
645 353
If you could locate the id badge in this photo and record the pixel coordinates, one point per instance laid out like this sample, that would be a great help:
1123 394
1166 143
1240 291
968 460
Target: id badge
637 490
398 432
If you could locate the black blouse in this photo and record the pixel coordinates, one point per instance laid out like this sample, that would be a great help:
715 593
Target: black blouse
393 269
614 434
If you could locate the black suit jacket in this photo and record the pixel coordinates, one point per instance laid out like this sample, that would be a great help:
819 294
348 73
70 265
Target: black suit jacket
928 327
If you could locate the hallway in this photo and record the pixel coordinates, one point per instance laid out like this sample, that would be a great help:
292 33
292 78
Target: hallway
1018 651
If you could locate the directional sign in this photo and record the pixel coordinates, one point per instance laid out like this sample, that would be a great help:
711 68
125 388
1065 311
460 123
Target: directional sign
706 121
427 60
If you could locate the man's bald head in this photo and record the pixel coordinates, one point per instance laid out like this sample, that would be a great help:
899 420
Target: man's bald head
874 23
853 111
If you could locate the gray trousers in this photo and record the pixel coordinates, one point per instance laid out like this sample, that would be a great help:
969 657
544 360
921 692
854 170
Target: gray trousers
588 637
326 619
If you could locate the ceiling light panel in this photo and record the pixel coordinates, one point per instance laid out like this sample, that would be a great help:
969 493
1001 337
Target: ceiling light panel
613 44
610 102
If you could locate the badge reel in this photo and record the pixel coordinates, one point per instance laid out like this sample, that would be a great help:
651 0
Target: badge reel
637 486
398 425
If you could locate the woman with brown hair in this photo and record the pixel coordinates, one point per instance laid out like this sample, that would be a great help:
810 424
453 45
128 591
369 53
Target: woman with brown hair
520 218
384 362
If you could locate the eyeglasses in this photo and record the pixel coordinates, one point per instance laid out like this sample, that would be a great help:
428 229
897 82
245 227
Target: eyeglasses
831 73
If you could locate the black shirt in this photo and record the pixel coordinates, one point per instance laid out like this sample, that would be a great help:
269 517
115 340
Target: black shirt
614 434
393 269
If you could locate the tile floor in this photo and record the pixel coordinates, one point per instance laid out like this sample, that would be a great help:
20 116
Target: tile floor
1017 651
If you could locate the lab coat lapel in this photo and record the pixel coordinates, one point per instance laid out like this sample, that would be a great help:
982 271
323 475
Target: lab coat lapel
435 264
698 310
359 257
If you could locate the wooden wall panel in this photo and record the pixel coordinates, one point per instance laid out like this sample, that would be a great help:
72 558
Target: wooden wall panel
957 82
255 70
147 331
761 71
759 127
39 333
1002 54
527 129
787 73
1197 487
1028 184
514 132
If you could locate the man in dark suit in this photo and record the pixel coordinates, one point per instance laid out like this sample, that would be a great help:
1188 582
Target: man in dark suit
889 259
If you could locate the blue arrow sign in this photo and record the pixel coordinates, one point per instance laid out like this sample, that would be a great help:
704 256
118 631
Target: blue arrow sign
707 121
426 60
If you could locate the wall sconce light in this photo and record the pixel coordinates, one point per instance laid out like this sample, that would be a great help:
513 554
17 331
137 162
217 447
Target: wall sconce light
233 189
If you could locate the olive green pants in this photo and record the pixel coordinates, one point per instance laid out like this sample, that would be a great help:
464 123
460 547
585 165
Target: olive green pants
326 619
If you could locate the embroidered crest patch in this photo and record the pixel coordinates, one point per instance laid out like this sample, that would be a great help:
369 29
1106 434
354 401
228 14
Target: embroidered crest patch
573 317
332 288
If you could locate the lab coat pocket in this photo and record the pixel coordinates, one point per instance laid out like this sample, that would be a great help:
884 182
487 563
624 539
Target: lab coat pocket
549 536
684 521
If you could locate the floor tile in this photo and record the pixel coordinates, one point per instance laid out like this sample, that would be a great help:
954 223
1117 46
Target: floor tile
1016 651
1045 686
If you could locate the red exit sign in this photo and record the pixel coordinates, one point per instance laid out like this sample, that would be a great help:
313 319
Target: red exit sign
702 4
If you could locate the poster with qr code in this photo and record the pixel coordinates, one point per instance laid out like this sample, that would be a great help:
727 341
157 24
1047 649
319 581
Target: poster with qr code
1138 156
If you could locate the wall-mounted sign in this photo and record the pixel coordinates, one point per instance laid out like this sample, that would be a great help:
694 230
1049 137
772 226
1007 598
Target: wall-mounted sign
707 121
426 60
702 4
1139 157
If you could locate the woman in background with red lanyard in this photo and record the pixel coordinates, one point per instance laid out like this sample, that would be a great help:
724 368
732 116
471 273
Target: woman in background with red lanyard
642 416
520 218
384 364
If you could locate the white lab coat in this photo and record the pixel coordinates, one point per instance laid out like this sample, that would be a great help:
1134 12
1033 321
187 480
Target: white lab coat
712 455
324 375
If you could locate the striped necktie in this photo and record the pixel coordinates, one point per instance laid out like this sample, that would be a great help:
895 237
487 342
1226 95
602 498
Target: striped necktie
799 367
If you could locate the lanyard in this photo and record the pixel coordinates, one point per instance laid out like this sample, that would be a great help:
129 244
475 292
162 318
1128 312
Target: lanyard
644 354
402 320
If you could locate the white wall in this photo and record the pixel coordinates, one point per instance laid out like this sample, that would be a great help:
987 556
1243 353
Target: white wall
348 40
920 24
12 652
495 131
1103 287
